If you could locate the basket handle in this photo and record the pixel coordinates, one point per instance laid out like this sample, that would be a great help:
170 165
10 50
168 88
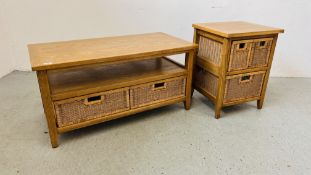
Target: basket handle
245 79
93 100
159 86
262 43
242 46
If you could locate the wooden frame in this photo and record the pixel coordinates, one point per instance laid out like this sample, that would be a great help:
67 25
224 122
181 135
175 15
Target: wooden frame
48 106
51 59
265 83
228 33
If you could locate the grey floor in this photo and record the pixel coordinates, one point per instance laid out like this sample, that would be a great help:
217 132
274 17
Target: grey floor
168 140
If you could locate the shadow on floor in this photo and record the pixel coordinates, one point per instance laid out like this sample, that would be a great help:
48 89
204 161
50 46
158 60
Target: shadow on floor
226 111
121 122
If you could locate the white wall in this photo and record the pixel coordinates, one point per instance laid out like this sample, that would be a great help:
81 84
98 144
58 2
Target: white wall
6 59
31 21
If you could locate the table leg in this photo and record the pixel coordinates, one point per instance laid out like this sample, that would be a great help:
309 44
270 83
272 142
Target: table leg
189 66
48 106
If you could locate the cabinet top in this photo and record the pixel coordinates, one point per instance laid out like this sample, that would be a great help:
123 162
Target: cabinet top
236 29
100 50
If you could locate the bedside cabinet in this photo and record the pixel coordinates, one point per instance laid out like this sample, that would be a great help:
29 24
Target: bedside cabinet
233 61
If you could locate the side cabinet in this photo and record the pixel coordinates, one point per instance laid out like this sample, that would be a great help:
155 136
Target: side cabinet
232 67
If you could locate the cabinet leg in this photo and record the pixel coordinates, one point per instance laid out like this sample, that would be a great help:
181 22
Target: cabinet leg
187 105
260 103
222 77
187 102
217 112
54 139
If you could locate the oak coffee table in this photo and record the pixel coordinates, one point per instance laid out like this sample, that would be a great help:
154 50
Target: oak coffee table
85 82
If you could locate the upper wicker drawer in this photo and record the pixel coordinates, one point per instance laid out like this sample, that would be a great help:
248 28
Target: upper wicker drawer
249 54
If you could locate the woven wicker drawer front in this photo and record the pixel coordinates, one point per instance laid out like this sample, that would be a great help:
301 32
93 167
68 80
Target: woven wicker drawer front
210 50
260 52
243 86
206 81
250 53
154 92
240 53
76 110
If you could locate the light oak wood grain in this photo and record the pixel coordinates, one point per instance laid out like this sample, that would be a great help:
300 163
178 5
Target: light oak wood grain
222 77
236 29
101 50
48 106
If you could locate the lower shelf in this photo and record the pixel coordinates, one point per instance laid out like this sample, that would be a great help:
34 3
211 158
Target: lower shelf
77 81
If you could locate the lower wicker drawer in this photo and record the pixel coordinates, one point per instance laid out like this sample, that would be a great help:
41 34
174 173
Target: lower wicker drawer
237 87
80 109
243 86
158 91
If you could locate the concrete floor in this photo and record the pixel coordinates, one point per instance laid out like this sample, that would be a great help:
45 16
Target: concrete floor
169 140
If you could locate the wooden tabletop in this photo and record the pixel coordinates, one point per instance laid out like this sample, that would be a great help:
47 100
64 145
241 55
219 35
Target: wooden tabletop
100 50
236 29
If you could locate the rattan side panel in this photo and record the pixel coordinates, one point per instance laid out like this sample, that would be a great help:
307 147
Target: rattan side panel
239 55
75 110
236 89
145 94
260 52
205 81
210 50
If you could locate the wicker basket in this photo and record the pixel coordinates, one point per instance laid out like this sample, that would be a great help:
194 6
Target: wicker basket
77 110
243 86
249 53
260 52
155 92
210 50
239 55
205 81
237 87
